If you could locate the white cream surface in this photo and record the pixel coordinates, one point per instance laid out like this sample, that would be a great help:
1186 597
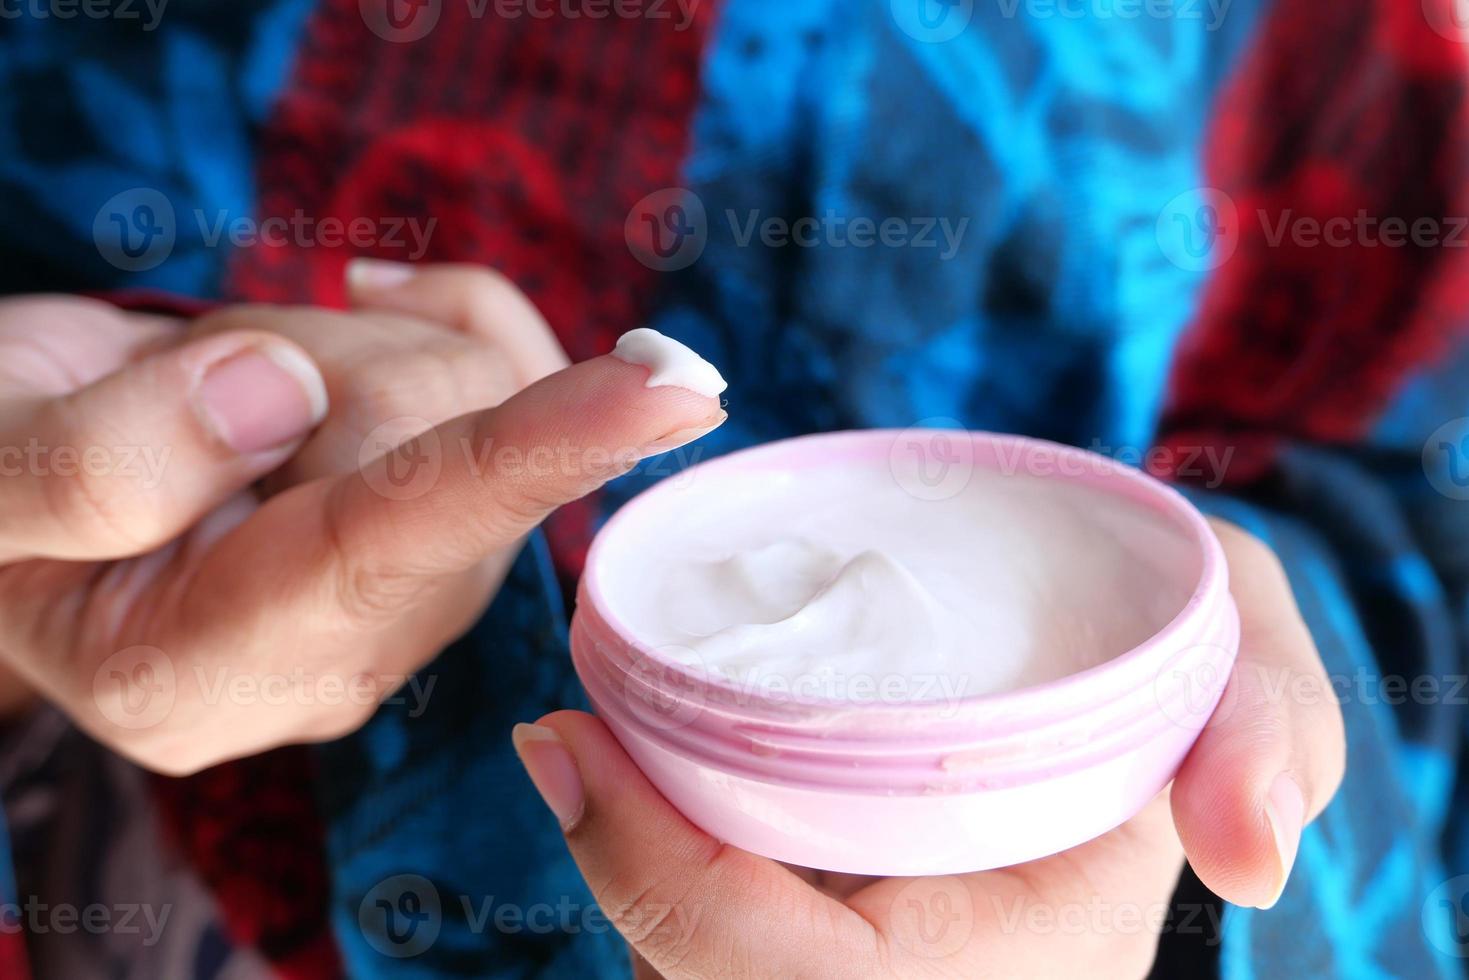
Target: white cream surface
669 362
835 582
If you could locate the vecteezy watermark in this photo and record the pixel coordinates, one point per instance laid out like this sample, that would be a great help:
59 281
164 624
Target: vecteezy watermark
1188 684
932 21
405 21
404 458
138 230
669 229
1361 686
1362 229
402 916
137 688
1192 688
933 918
147 12
1210 13
832 230
671 686
1446 459
1098 916
932 460
410 235
1207 465
667 690
1200 230
935 460
33 916
145 465
308 689
1445 917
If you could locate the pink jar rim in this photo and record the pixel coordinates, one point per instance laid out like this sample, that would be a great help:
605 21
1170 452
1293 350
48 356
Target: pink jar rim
948 745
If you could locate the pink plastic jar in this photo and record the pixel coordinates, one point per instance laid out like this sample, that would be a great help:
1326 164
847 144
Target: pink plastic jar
925 787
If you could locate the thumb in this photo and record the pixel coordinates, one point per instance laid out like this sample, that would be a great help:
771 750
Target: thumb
126 463
1274 751
439 500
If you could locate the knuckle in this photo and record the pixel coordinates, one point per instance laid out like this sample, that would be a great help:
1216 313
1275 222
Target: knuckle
648 924
362 593
492 297
367 597
436 382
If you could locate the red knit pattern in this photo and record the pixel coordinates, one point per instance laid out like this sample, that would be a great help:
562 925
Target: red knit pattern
527 142
1338 108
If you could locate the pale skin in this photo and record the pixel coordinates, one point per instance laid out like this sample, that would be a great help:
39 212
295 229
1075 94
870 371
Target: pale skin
274 538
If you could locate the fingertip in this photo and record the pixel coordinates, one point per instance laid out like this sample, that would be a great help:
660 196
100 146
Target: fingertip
553 770
1240 836
667 411
367 277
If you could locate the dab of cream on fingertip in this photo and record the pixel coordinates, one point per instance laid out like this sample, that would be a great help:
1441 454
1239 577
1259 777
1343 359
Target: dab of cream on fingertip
668 362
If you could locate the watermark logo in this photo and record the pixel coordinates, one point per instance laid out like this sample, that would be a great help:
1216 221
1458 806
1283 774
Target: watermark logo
1097 916
932 21
411 455
401 21
666 691
931 462
668 229
401 916
135 688
1192 687
136 230
933 917
1199 229
1445 917
1446 459
1210 13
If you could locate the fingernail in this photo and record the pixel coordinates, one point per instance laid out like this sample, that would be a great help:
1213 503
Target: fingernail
552 769
1285 808
261 398
682 437
378 274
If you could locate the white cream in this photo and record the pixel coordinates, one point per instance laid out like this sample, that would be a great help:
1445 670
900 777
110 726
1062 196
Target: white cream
669 362
836 582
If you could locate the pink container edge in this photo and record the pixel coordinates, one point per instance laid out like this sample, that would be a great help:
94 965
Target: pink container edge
1212 585
930 822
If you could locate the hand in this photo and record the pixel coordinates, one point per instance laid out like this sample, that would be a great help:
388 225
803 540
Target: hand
693 907
184 618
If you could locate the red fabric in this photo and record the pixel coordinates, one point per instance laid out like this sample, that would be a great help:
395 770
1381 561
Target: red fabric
14 963
251 830
527 142
1337 107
